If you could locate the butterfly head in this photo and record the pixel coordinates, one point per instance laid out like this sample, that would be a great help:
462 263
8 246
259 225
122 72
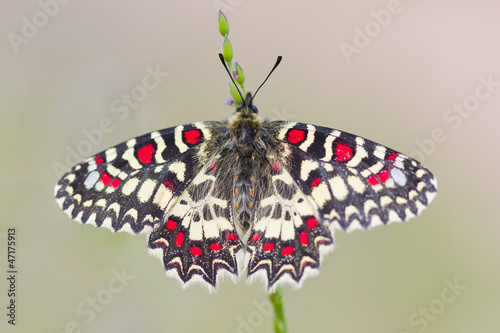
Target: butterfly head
247 105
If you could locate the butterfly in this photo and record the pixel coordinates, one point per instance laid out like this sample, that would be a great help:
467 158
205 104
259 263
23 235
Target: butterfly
247 195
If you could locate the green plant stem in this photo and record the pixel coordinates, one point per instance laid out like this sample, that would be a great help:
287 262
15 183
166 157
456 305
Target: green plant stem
279 322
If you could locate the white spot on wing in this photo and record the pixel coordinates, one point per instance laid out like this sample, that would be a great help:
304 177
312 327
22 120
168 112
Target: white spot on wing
310 138
162 196
128 155
146 190
284 130
420 173
375 221
178 139
71 177
401 201
114 207
110 154
351 210
179 169
160 147
210 229
306 167
321 194
287 230
360 141
112 170
379 152
398 176
339 188
355 225
328 149
357 184
358 156
376 167
196 231
369 205
412 194
130 186
273 229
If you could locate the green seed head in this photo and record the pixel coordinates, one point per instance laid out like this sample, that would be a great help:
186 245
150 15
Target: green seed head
227 50
238 74
236 96
223 24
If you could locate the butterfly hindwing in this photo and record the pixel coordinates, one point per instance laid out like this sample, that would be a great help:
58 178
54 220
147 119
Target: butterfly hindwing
129 187
198 241
287 241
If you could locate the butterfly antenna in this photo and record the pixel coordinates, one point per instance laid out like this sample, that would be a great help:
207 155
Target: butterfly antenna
268 75
221 57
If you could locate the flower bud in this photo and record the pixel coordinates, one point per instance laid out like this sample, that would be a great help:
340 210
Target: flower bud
223 24
227 50
240 75
236 95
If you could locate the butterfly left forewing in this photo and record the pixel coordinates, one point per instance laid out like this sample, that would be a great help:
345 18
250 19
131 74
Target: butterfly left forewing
128 187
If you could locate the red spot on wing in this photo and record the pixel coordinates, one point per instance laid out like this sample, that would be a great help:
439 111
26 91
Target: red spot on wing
160 242
255 238
312 223
105 178
383 175
192 136
195 251
303 238
98 159
212 166
169 184
276 166
315 182
170 225
372 180
392 157
231 237
343 152
215 247
179 240
296 135
268 247
287 251
145 154
115 183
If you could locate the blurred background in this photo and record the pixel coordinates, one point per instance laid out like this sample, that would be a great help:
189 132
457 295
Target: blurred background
422 77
